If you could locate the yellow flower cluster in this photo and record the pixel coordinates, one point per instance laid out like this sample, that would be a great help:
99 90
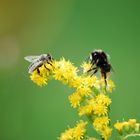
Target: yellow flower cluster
76 133
40 75
64 71
96 106
90 97
101 125
127 127
100 107
86 67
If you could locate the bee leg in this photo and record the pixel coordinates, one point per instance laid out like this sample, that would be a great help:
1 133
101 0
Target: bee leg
95 70
50 63
38 71
46 68
104 75
92 69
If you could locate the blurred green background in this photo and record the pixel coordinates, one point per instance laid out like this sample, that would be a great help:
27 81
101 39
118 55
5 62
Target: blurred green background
69 28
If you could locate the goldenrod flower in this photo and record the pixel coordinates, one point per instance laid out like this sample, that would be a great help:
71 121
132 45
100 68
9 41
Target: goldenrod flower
110 86
86 67
38 79
40 76
131 124
85 110
84 90
89 81
79 131
76 81
100 83
64 70
132 121
101 125
103 99
126 126
97 106
119 126
91 103
101 122
76 133
58 75
67 135
130 127
100 110
75 99
106 133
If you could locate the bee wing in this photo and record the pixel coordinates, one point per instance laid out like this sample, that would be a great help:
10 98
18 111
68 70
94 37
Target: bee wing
108 56
34 66
112 69
31 58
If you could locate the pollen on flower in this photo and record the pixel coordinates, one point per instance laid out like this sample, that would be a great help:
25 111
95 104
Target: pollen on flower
76 81
38 79
84 90
99 83
64 71
85 110
132 121
106 133
101 125
67 135
130 126
41 74
110 86
89 81
76 133
103 99
75 99
100 109
86 67
79 130
101 122
44 70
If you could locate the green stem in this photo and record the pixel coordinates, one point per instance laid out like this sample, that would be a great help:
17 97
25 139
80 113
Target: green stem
130 135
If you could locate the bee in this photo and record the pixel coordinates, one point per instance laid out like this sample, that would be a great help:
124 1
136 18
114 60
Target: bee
99 61
38 61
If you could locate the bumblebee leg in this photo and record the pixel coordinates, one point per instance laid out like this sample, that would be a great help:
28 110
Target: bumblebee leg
92 69
95 70
105 76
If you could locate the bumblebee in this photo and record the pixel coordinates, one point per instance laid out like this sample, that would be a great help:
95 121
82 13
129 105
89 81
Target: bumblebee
99 61
38 61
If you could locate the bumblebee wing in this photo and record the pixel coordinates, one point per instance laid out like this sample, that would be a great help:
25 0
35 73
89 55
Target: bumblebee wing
33 66
108 57
31 58
112 69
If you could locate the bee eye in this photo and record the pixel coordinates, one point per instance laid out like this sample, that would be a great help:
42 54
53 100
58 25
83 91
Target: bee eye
95 54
